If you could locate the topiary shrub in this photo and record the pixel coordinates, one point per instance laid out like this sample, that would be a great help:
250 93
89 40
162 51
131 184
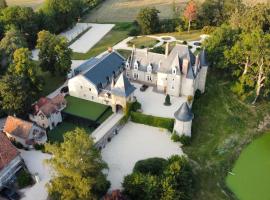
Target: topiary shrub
153 166
167 100
39 147
160 50
136 106
17 144
184 42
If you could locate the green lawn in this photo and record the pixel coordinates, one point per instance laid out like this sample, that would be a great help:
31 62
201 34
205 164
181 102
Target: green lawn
192 35
222 127
83 108
142 42
57 134
117 34
51 82
251 179
28 3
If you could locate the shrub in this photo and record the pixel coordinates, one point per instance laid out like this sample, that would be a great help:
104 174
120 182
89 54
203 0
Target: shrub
150 120
208 29
153 166
160 50
184 42
185 140
167 100
24 179
136 106
189 46
39 147
135 31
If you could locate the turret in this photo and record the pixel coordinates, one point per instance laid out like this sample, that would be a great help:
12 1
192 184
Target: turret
183 120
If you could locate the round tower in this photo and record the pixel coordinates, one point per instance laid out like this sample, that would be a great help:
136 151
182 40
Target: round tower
183 120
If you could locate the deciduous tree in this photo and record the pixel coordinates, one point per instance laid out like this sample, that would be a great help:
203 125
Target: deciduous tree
190 13
78 168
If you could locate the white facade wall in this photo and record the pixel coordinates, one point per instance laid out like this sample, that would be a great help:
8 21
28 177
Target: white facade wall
188 87
54 119
162 82
173 84
202 79
40 119
183 128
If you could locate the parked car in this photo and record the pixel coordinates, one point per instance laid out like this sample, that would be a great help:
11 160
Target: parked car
10 194
143 88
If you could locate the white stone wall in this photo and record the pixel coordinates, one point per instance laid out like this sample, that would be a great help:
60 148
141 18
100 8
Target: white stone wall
142 76
173 84
162 82
188 87
55 119
39 120
183 128
202 79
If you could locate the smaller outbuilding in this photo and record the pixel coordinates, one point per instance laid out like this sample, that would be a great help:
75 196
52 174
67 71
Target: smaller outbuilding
24 132
10 160
183 120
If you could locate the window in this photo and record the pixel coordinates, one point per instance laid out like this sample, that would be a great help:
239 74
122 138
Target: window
81 87
149 78
135 75
136 65
90 89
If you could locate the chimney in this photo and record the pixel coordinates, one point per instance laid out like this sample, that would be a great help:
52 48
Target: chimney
185 66
110 49
167 49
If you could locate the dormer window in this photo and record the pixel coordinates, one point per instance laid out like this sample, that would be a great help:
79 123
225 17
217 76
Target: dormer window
136 65
127 65
174 71
149 68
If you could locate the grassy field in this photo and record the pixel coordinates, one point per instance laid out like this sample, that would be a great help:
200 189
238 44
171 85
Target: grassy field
222 127
251 177
57 134
51 83
127 10
28 3
83 108
142 42
117 34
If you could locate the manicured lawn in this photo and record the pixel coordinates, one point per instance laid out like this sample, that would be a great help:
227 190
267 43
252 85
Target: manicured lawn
57 134
192 35
251 177
117 34
142 42
85 109
222 127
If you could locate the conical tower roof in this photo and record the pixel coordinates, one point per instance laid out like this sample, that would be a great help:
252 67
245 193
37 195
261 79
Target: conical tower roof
184 113
122 87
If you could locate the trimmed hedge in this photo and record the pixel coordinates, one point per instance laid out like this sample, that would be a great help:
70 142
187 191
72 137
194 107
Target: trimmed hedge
185 140
24 179
150 120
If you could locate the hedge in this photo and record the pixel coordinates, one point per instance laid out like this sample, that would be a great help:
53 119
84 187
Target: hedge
150 120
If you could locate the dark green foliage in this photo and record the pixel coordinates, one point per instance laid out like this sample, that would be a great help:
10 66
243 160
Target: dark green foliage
3 4
152 166
160 50
156 178
129 108
152 120
185 140
208 29
167 100
136 106
24 178
39 147
148 20
17 144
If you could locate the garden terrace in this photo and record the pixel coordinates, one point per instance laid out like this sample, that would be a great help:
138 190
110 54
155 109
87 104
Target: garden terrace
87 110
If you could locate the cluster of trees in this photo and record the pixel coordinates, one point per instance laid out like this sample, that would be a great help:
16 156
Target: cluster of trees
78 168
157 178
194 15
241 48
21 29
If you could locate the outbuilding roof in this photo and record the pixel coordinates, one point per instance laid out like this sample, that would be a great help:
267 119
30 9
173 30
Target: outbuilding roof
107 66
122 87
184 113
7 151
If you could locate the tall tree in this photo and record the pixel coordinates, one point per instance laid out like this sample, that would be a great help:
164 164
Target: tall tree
13 40
24 66
23 19
148 20
190 13
78 168
54 55
16 94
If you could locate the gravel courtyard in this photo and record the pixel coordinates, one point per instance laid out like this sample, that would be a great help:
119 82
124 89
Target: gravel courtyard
34 161
153 102
136 142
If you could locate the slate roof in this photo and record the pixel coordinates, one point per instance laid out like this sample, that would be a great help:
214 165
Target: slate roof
203 58
123 87
18 127
184 113
7 151
104 68
86 65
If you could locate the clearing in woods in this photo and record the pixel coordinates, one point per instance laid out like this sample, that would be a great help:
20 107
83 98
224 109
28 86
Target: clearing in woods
127 10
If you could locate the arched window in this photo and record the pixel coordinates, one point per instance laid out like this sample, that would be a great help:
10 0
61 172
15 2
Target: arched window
149 68
174 70
136 65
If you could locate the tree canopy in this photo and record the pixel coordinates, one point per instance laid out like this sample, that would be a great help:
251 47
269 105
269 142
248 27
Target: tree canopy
148 20
54 54
78 168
